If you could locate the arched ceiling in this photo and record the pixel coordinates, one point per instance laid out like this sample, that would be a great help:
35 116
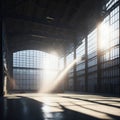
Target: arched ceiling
48 24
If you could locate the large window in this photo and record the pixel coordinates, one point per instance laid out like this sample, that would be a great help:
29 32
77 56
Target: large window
31 68
92 60
61 63
69 60
110 51
110 36
80 66
34 59
80 52
92 43
110 3
98 55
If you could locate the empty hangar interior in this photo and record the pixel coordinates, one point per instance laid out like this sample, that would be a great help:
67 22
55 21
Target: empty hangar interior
68 45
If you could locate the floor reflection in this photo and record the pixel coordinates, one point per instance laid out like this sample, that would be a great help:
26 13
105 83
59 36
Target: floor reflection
59 107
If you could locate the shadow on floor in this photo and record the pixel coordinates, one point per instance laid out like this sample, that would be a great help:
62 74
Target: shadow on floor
23 108
113 117
95 101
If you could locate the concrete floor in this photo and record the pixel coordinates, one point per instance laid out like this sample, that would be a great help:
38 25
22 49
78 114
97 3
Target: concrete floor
59 107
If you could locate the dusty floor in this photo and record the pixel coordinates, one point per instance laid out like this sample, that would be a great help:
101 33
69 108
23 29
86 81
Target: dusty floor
59 107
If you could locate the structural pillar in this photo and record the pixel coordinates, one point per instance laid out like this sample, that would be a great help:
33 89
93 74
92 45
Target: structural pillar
75 78
1 61
1 50
65 79
86 65
9 69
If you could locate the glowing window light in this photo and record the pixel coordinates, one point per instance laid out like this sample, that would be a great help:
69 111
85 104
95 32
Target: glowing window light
61 63
50 62
36 69
69 58
80 51
104 36
59 78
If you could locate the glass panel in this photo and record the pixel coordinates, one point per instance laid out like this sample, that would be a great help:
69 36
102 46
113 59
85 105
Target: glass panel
31 67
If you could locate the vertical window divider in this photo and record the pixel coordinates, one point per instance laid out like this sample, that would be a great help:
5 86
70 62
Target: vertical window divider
86 64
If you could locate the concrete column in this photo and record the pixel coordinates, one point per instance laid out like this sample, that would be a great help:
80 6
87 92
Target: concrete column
75 78
10 63
10 69
65 82
1 48
86 65
1 59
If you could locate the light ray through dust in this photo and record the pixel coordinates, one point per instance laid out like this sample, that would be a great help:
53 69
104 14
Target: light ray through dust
59 78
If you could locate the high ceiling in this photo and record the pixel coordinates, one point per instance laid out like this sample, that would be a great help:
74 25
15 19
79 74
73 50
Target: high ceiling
48 25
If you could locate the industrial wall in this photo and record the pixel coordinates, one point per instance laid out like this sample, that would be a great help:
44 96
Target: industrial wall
97 55
96 58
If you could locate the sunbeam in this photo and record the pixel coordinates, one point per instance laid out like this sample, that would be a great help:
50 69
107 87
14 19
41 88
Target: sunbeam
59 78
